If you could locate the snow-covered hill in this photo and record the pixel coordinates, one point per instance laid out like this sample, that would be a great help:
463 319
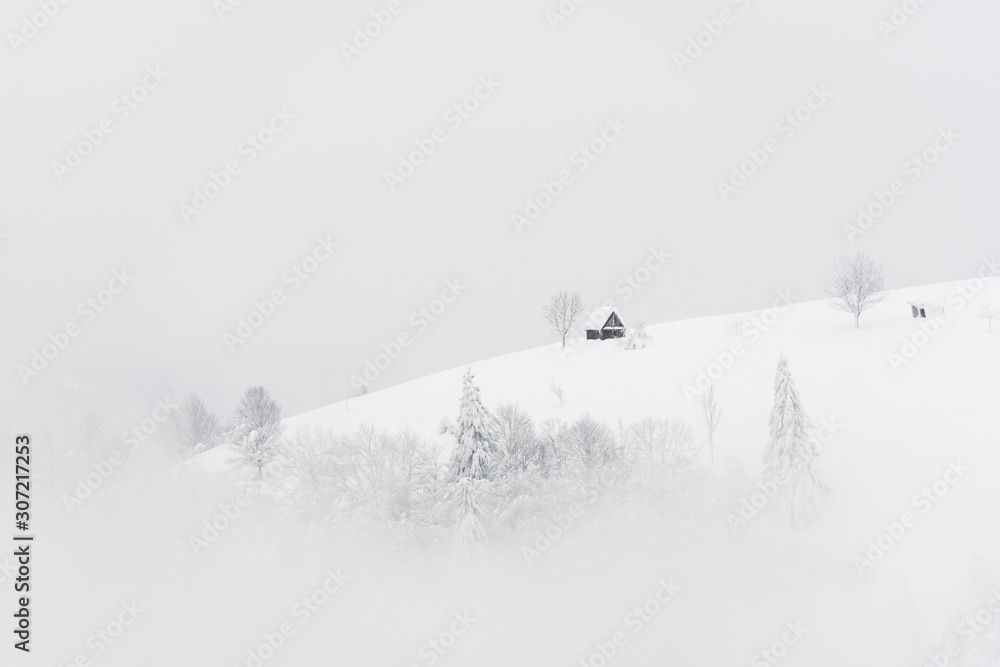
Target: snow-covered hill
891 377
903 407
910 450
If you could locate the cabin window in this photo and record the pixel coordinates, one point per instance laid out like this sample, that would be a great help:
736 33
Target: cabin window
915 312
922 313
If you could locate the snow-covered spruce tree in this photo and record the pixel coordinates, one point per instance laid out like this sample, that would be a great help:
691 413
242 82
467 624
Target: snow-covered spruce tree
471 539
471 457
636 337
790 455
256 429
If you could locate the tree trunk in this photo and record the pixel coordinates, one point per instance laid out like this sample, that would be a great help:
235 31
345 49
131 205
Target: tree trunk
857 325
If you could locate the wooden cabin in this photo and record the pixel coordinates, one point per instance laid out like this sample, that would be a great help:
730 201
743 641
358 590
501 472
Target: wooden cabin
612 327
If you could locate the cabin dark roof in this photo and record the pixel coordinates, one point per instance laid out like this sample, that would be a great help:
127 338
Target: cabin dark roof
606 314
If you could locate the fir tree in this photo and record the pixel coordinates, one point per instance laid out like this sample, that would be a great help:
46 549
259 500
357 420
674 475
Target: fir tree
790 453
472 451
471 539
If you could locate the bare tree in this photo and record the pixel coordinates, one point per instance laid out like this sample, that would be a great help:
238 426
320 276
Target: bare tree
592 453
318 467
665 456
195 427
517 444
661 445
561 312
712 413
737 326
551 444
557 389
857 284
988 311
384 470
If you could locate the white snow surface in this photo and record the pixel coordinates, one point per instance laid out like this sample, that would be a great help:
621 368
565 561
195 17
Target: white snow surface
898 431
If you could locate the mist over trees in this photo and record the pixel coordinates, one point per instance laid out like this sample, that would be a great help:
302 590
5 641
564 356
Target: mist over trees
711 412
491 476
256 429
791 453
194 427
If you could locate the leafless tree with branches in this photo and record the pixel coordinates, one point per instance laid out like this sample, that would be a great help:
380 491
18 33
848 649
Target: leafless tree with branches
557 390
562 312
988 311
712 413
857 284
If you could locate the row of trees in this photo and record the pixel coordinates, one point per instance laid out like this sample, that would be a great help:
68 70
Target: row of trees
506 472
490 446
255 428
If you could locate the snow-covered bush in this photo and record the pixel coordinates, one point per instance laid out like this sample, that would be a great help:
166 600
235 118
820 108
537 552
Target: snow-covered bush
636 337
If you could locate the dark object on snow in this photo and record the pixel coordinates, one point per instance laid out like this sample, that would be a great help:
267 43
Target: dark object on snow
925 309
612 328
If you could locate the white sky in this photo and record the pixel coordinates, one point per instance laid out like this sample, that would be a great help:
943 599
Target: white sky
323 175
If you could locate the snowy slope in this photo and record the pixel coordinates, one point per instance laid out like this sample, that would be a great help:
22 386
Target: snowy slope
890 433
841 373
893 425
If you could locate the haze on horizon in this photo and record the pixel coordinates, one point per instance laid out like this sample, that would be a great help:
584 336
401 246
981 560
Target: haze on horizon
324 176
